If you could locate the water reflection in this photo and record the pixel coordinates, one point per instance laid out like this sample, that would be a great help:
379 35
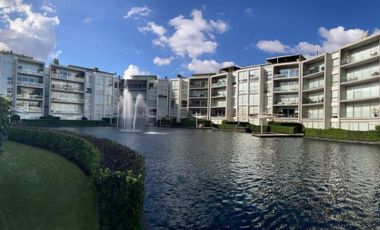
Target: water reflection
204 179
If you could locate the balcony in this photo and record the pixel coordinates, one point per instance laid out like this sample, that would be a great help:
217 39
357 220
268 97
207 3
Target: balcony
198 105
198 96
29 110
30 84
285 89
219 94
349 80
219 84
317 87
67 100
314 72
360 96
29 97
38 72
67 88
365 57
198 85
68 78
313 101
218 104
286 74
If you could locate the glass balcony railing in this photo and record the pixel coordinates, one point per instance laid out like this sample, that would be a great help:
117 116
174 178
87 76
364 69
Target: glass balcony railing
219 94
317 69
219 104
359 77
286 74
198 96
314 86
71 100
30 109
284 89
288 102
198 85
313 100
198 105
30 71
219 84
361 95
29 83
67 88
70 78
29 96
360 56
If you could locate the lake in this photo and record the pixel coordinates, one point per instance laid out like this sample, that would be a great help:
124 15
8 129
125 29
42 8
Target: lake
204 179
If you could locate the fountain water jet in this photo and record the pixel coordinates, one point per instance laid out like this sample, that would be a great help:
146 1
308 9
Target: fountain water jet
133 115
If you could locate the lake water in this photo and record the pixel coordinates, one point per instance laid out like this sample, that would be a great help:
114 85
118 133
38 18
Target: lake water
203 179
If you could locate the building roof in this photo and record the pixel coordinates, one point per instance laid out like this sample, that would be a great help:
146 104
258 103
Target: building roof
95 69
286 58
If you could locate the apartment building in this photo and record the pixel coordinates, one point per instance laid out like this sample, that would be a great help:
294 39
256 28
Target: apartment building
199 95
22 82
178 90
162 99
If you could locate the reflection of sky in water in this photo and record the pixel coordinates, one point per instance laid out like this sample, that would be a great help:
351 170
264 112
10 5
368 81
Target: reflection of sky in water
203 178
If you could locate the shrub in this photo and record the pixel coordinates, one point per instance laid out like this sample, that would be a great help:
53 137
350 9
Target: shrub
377 128
117 172
282 129
15 118
4 114
257 128
299 128
50 117
84 119
61 123
341 134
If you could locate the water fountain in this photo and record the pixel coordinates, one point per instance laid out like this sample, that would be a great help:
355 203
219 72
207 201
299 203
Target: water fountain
132 115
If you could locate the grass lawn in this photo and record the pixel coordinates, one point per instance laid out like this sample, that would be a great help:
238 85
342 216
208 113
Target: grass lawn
42 190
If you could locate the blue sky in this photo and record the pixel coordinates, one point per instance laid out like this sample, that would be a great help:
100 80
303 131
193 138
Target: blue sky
210 34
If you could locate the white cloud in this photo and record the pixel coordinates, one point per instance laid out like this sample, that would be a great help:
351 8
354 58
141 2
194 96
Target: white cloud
25 31
192 37
248 11
88 20
272 46
48 7
207 66
332 39
162 61
133 70
4 47
137 12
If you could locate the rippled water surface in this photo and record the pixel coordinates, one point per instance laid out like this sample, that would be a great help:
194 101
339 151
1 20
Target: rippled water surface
220 180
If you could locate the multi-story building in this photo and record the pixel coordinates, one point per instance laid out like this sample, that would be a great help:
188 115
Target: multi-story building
178 90
199 95
162 99
101 93
359 85
22 82
315 98
286 87
67 92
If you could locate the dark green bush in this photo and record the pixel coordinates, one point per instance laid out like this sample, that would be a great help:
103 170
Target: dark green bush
117 171
191 122
341 134
15 118
282 129
61 123
84 119
4 114
257 128
50 117
377 128
299 128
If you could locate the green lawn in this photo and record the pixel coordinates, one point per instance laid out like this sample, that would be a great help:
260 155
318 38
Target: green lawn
42 190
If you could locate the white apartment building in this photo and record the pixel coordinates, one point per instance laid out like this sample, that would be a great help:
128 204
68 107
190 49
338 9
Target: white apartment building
178 98
198 95
22 82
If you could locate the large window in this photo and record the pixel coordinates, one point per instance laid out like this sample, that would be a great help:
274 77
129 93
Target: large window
363 110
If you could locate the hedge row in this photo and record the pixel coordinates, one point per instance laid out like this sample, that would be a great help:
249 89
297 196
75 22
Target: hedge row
62 123
282 129
340 134
117 172
299 128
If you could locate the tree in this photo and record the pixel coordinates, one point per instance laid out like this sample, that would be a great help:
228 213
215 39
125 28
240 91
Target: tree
4 120
55 61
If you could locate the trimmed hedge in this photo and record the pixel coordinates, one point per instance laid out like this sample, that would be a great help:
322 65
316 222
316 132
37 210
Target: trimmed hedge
62 123
299 128
4 113
117 172
283 129
191 122
257 128
341 134
377 128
